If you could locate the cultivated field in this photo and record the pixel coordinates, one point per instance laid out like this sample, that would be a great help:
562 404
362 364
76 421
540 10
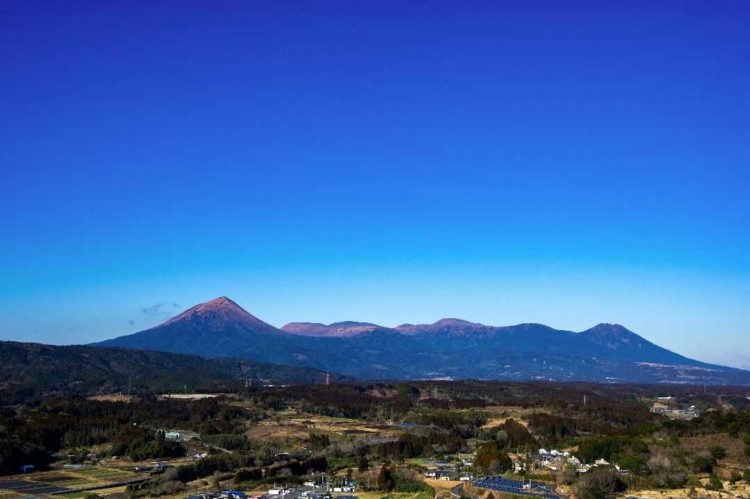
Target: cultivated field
56 481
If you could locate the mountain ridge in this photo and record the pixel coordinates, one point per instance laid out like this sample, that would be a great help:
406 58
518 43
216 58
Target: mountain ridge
335 329
448 348
31 371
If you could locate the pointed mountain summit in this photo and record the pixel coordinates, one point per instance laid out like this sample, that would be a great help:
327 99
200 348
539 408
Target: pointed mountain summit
214 329
220 313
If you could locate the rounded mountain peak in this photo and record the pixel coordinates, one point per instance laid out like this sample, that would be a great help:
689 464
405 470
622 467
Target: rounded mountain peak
451 322
610 329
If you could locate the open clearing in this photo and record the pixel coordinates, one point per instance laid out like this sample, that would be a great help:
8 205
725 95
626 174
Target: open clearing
117 397
293 424
192 396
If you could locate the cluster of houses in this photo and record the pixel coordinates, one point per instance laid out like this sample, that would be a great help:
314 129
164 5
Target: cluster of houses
224 494
309 491
555 460
449 475
667 406
445 470
181 435
154 468
304 492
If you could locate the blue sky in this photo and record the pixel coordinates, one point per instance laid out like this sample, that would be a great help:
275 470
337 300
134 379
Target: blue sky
560 162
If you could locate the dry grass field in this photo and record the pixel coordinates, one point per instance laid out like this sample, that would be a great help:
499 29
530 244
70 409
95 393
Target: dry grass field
117 397
442 487
294 424
43 482
499 414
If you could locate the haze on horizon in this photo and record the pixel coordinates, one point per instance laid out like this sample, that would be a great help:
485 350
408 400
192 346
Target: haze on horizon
388 162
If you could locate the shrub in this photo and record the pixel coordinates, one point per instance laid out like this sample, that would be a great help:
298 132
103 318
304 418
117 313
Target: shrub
385 479
714 483
319 441
718 452
410 485
248 475
703 463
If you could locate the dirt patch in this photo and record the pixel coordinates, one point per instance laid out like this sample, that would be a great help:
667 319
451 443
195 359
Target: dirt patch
112 398
271 431
495 422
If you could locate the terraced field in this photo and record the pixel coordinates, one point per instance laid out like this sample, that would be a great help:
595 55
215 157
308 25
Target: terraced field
59 481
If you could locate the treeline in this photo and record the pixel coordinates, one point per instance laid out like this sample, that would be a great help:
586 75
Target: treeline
244 467
32 435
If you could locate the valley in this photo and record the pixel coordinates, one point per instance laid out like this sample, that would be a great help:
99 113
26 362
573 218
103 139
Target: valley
372 440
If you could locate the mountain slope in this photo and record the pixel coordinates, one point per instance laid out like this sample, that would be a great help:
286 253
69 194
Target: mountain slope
212 329
336 329
31 370
449 348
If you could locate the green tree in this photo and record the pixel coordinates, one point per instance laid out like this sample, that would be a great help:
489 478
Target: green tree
718 452
715 483
704 463
492 459
385 479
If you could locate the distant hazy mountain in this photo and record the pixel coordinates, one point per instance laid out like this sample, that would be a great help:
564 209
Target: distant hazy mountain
31 370
449 348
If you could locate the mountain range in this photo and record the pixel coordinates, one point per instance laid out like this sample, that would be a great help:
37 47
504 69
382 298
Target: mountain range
447 349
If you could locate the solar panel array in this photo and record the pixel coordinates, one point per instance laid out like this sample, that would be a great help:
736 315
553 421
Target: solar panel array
32 488
515 487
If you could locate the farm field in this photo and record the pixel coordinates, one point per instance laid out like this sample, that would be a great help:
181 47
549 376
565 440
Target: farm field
57 481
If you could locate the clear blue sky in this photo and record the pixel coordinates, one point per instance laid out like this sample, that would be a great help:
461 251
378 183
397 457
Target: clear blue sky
560 162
